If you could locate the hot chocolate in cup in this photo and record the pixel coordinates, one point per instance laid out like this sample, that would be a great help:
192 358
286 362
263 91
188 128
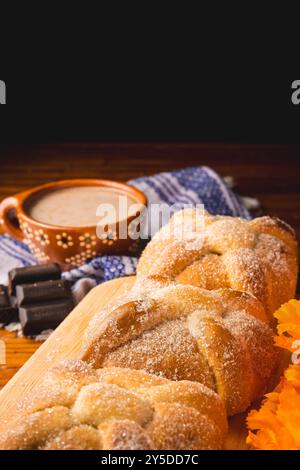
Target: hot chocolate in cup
72 221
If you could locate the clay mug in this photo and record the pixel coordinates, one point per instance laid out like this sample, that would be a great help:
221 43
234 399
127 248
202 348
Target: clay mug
66 245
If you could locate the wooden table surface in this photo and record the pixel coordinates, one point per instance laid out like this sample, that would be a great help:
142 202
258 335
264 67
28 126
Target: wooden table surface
267 172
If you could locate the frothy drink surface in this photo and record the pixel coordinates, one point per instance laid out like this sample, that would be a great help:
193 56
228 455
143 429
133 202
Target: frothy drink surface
74 206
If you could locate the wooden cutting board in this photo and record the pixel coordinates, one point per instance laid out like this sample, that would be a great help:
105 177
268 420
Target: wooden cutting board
65 343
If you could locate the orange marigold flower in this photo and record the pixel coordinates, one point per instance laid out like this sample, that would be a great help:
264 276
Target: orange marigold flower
292 375
288 316
276 425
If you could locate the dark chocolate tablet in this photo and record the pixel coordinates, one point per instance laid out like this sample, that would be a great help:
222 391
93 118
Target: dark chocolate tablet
35 319
43 292
8 313
32 274
4 300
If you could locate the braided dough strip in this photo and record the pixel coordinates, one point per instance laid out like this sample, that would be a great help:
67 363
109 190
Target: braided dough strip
257 256
77 407
219 338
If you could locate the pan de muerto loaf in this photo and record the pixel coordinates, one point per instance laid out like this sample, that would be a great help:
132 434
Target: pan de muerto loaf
219 338
257 256
79 408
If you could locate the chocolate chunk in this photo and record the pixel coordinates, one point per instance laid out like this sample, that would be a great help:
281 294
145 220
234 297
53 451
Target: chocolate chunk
4 301
43 292
38 318
32 274
8 313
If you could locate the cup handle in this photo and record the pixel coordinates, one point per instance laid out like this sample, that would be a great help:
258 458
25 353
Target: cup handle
10 224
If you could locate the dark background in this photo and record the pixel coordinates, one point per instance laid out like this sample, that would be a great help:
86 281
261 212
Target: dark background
104 107
123 102
126 113
120 74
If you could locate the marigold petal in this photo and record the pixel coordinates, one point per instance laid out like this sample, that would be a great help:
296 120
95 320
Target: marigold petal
289 312
292 375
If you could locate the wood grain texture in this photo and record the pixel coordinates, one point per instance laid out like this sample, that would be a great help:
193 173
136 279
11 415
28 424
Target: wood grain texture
65 343
269 172
17 351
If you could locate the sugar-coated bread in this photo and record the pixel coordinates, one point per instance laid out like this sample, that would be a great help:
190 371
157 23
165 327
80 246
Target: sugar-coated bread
256 256
190 343
219 338
77 407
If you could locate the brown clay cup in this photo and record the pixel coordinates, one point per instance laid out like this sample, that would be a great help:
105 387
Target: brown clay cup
68 246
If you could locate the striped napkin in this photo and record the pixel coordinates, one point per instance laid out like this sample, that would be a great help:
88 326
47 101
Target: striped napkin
196 185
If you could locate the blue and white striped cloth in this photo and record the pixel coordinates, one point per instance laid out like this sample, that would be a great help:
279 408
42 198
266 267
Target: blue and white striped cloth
197 185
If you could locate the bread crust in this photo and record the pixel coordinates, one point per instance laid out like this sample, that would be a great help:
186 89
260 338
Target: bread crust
220 338
256 256
115 409
190 344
